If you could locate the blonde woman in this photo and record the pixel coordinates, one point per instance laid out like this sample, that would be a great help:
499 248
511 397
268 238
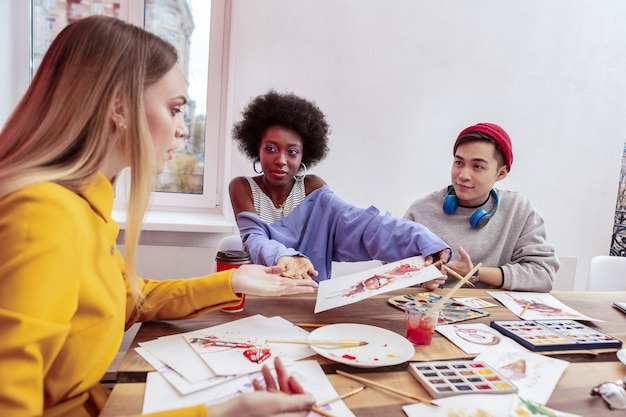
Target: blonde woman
107 96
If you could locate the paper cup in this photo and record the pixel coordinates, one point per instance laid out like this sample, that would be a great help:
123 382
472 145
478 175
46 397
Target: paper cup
232 259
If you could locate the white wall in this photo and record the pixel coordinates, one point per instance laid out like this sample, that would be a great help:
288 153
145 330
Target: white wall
398 80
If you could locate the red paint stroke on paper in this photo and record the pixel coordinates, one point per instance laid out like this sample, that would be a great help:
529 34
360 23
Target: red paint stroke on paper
257 355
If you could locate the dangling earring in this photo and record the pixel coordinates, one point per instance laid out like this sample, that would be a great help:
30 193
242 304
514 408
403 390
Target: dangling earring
303 174
257 159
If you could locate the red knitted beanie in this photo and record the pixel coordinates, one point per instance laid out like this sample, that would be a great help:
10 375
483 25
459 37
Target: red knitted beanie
497 134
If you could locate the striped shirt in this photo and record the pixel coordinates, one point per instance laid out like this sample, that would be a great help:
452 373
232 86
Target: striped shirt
265 207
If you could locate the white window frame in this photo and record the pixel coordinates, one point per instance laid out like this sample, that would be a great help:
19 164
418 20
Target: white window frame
210 202
188 212
172 212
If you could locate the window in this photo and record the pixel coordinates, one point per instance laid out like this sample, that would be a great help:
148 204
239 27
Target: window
98 7
171 19
74 10
50 24
192 181
49 4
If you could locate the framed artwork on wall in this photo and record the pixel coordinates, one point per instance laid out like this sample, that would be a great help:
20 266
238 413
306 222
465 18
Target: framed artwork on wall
618 239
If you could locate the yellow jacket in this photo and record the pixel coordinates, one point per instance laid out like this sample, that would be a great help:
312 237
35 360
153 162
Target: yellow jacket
64 302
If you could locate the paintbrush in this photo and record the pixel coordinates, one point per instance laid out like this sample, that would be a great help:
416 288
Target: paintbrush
457 275
438 264
321 412
341 343
386 388
342 396
315 408
525 309
311 325
445 298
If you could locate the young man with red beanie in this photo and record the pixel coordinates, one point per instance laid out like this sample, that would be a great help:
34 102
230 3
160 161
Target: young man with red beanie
498 228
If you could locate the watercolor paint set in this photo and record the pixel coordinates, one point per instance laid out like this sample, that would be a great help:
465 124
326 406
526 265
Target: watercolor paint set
451 312
447 378
548 335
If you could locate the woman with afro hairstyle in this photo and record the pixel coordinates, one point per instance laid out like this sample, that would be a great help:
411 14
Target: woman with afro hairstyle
293 220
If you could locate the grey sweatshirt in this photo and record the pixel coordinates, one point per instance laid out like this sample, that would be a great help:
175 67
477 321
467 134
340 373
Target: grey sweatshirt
514 239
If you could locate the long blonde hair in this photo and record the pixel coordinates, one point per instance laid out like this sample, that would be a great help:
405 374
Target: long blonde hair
61 130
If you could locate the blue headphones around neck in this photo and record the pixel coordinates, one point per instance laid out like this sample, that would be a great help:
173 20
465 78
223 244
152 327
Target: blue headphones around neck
480 217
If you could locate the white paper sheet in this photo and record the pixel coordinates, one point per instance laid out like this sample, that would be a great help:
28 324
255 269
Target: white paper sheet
534 375
526 408
176 353
196 366
160 396
181 385
474 302
254 330
541 306
478 338
483 405
487 405
349 289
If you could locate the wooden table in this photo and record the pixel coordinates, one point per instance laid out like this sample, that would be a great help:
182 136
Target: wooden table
377 311
572 394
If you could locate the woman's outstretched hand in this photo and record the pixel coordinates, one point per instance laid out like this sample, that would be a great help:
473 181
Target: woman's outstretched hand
267 281
287 399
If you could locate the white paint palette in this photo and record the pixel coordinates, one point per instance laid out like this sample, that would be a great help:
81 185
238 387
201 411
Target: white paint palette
447 378
384 347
